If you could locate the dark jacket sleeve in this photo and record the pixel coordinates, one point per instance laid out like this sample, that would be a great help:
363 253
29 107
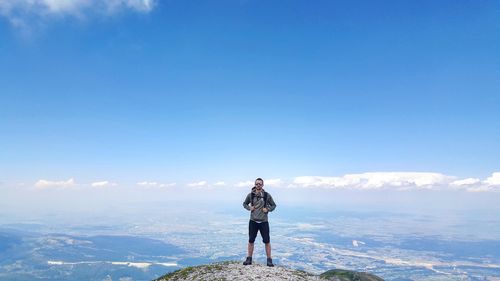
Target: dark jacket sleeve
247 201
270 203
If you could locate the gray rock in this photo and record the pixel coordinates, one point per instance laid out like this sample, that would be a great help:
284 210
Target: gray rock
233 270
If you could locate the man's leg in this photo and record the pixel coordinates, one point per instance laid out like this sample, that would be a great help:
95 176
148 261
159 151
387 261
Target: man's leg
268 250
264 231
266 238
268 253
252 233
250 249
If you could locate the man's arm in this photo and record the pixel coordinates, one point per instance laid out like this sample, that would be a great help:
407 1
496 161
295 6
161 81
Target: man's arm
270 203
247 201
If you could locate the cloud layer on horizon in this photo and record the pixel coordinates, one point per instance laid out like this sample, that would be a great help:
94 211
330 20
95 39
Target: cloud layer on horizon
375 180
399 181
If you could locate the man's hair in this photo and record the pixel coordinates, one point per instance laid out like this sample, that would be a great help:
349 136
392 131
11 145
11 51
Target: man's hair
259 179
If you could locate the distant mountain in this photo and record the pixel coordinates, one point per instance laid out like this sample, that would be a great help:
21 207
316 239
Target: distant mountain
232 270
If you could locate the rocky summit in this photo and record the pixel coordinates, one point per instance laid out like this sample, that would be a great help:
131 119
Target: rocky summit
233 270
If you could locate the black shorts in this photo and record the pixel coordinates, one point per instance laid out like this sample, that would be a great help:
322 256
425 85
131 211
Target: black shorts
263 227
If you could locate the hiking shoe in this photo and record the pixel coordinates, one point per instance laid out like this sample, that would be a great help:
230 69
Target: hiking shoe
270 262
248 261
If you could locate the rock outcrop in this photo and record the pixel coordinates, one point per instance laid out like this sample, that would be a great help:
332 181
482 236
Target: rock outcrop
233 270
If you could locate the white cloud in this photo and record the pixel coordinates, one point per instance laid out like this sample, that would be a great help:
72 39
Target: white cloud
493 180
153 184
376 180
103 184
245 184
147 183
273 182
467 181
220 183
53 6
22 14
42 184
137 5
71 7
195 184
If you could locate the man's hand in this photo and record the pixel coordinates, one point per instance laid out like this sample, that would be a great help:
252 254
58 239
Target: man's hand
252 208
265 210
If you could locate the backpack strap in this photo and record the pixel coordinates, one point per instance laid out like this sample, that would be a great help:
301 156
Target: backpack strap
265 199
251 198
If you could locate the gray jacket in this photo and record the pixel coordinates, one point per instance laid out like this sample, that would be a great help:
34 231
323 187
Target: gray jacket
258 202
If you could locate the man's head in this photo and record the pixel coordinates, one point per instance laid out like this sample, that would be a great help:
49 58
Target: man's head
259 183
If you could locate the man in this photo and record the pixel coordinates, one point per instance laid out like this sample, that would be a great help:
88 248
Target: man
259 203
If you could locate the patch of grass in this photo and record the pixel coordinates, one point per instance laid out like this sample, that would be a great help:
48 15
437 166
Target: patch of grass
302 274
185 272
178 274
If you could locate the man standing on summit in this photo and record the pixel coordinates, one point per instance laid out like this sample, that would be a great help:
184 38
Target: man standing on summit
259 203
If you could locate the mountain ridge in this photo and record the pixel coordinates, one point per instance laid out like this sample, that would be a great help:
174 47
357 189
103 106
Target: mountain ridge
234 270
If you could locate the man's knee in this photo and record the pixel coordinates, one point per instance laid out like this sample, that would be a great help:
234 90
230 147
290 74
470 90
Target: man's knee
266 240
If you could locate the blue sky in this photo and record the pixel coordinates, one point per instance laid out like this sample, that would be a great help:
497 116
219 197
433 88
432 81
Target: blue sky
226 91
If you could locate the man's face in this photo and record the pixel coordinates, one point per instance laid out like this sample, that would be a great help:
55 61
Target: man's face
259 184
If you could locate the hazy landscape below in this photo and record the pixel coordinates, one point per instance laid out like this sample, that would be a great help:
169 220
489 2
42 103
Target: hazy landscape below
143 240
